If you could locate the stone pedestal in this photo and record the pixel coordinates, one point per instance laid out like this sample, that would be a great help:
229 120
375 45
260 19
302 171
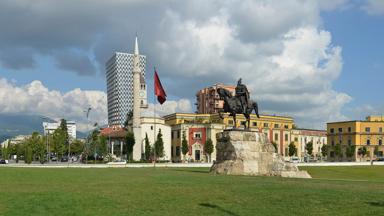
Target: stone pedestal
241 152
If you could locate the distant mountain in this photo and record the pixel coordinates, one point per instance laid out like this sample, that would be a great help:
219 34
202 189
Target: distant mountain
23 124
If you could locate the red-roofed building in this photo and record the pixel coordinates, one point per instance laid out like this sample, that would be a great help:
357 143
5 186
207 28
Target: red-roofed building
116 139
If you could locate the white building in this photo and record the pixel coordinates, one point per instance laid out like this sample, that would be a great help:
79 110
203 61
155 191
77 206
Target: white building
150 126
303 136
119 76
15 140
49 128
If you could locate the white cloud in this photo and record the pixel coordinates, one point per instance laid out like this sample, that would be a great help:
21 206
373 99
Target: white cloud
35 98
168 107
291 72
279 48
362 111
374 7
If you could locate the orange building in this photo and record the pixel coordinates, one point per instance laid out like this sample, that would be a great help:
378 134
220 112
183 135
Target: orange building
208 101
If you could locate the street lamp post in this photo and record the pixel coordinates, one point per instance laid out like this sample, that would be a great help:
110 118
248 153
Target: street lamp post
46 131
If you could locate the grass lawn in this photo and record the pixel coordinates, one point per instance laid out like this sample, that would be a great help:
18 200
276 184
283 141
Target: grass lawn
189 191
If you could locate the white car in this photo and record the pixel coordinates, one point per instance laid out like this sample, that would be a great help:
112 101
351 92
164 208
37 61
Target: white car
295 159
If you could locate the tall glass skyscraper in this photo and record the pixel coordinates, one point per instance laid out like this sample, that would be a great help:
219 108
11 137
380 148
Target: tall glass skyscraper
120 86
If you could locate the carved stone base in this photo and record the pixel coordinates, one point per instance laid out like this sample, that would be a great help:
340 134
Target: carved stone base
250 153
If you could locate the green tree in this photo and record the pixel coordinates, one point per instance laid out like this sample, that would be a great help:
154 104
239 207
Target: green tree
34 142
86 150
376 151
4 152
324 150
350 151
97 144
41 150
59 139
184 146
208 148
292 150
12 149
147 148
159 145
19 151
362 151
28 154
129 142
77 147
102 146
309 148
63 126
338 151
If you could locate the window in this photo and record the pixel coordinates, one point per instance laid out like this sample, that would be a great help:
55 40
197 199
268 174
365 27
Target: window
286 127
230 122
265 124
340 130
286 137
178 134
380 142
368 142
332 130
296 139
332 154
197 135
151 127
254 124
276 126
172 134
349 142
333 142
380 130
349 129
367 129
276 137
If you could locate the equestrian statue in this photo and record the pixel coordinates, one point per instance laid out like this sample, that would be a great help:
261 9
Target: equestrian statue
238 104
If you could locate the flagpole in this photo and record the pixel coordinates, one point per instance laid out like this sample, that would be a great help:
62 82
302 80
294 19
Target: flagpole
154 118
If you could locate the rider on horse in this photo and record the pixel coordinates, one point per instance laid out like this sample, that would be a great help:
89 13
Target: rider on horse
242 94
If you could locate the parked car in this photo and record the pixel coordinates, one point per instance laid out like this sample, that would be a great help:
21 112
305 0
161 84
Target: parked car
2 161
64 159
53 158
295 159
380 159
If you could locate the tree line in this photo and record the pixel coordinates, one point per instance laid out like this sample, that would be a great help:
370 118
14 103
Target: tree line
56 145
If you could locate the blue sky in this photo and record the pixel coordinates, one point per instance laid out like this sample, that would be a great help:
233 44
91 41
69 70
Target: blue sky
361 37
287 52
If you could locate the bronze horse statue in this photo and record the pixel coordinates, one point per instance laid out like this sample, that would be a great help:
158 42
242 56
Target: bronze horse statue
233 105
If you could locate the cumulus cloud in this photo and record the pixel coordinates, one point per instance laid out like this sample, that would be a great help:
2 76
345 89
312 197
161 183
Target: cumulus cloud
35 98
279 48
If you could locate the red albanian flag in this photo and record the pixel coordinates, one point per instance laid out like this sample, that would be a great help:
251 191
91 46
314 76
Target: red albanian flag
159 90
